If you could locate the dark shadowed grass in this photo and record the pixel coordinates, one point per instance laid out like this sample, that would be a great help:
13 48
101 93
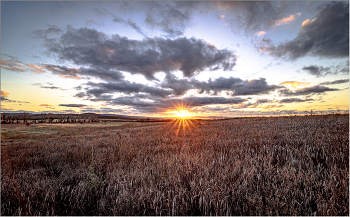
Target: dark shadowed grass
250 166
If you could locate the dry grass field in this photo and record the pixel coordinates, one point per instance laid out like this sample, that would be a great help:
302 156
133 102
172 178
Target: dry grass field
249 166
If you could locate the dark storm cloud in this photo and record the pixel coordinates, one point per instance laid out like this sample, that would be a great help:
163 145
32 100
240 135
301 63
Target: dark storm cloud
161 105
326 36
72 105
340 81
179 86
126 87
102 73
292 100
236 85
320 71
318 89
86 46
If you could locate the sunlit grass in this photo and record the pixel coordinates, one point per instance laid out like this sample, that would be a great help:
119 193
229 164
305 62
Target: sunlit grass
251 166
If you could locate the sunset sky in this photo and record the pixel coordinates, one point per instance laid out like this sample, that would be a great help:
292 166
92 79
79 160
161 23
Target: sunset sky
146 58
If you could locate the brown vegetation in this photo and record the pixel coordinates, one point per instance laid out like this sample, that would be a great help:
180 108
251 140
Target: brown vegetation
251 166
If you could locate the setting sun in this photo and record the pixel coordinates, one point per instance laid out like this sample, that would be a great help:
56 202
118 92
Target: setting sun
182 114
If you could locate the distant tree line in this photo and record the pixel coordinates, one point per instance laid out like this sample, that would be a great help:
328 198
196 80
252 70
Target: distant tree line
26 118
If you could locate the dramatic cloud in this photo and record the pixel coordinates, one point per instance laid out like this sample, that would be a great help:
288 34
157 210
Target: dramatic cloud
178 87
72 105
341 81
236 85
318 89
46 105
320 71
161 105
88 47
326 36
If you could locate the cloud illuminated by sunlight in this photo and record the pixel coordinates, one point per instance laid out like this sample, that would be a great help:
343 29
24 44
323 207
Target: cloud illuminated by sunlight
35 68
295 84
70 76
287 20
4 93
210 43
261 33
307 22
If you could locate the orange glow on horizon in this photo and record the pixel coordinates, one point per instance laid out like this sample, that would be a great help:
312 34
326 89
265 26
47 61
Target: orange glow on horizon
181 111
182 114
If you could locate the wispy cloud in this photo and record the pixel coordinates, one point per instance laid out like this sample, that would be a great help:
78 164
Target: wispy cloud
340 81
50 86
320 71
36 69
72 105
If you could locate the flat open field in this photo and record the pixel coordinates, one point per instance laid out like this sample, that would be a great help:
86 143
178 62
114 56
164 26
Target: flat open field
250 166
